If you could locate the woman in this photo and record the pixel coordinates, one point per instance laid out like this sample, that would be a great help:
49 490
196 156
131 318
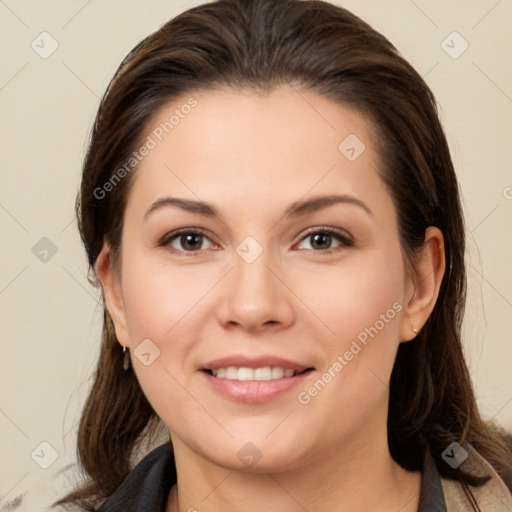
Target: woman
269 205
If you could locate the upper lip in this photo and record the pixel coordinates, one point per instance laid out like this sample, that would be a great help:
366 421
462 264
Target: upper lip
254 362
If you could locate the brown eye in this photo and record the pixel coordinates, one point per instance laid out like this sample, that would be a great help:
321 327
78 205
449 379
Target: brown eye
321 240
186 241
191 241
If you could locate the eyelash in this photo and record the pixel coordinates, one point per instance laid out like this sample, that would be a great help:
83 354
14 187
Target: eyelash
345 240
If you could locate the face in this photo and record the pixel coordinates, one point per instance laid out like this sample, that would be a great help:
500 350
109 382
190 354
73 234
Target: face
255 309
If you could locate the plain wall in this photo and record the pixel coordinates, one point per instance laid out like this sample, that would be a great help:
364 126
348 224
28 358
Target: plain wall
50 314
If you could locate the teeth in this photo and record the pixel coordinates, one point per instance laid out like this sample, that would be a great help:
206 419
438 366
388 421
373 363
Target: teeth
263 373
231 373
243 373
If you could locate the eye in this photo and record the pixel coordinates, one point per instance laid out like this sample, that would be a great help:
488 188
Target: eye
322 239
186 240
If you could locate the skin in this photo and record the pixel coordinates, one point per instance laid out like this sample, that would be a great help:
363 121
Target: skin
251 156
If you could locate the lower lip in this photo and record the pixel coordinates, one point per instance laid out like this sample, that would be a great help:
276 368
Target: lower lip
254 391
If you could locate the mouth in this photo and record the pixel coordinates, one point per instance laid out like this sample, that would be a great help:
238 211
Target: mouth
254 380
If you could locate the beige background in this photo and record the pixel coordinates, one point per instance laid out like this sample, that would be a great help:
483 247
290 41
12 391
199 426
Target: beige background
50 317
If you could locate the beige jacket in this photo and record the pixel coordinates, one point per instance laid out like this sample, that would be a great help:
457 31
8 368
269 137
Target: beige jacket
494 496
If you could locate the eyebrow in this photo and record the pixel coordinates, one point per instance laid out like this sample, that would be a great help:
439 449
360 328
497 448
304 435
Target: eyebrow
296 209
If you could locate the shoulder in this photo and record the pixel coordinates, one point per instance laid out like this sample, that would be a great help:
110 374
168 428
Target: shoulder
492 496
146 487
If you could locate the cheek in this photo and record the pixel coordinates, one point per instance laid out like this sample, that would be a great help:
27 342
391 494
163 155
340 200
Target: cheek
161 306
352 298
361 305
157 297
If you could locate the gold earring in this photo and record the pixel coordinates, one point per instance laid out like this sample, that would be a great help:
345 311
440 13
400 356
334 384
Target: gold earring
415 331
126 359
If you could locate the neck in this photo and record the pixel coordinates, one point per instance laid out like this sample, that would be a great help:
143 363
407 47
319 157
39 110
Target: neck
355 476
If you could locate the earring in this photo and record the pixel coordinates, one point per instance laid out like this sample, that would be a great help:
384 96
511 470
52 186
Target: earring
126 359
415 331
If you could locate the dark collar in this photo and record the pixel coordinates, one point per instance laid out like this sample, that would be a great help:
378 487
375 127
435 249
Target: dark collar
148 484
431 491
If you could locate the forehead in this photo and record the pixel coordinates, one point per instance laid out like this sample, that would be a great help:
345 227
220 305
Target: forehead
282 145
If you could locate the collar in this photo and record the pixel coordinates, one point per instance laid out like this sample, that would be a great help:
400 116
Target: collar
147 486
431 490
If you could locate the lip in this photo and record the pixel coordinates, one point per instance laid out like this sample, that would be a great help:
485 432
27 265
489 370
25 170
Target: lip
254 391
255 362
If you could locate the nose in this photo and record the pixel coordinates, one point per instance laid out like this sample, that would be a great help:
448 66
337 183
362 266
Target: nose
254 296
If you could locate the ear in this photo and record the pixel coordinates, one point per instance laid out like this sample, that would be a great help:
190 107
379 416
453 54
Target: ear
112 293
423 283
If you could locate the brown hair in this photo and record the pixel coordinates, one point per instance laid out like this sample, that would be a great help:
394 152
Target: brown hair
260 44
